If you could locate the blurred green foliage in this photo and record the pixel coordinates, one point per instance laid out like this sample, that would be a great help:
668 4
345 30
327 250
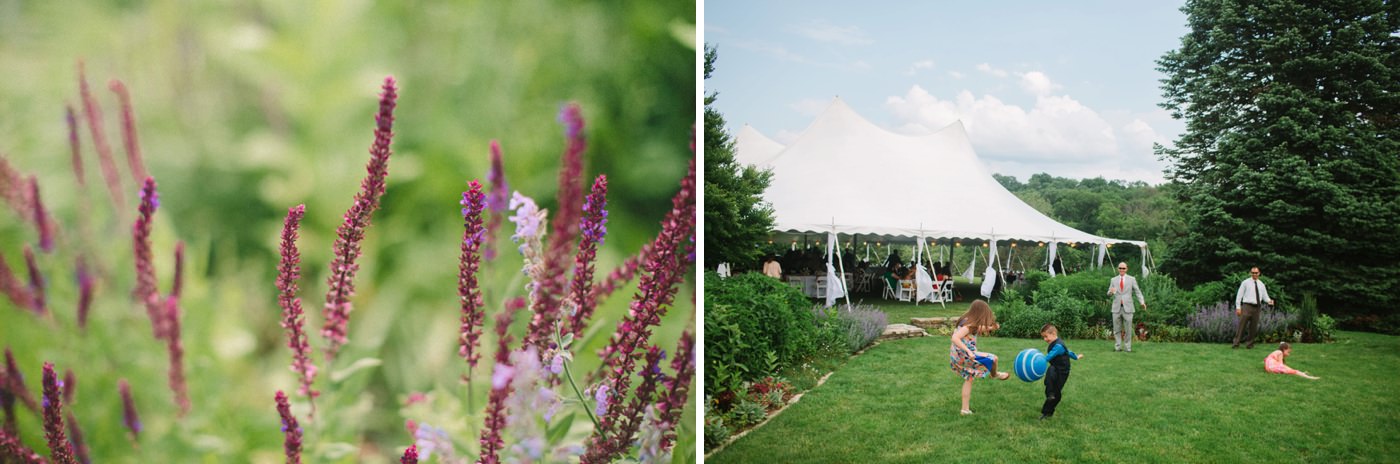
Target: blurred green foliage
245 109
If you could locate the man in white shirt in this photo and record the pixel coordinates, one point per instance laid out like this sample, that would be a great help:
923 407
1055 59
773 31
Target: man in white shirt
1247 304
1122 288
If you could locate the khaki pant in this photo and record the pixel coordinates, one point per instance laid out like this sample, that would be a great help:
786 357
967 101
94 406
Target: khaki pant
1249 320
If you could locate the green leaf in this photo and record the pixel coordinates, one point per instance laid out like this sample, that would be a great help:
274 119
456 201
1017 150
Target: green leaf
559 428
362 363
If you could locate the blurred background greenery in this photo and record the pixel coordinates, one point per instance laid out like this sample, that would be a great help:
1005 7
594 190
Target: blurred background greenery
247 108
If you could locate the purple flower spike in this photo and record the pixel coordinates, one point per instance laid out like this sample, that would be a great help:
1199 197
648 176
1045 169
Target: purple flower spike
17 291
677 389
36 282
348 236
496 201
42 222
77 148
129 417
564 230
145 291
291 445
75 438
179 269
177 355
69 384
410 455
664 272
14 189
93 112
491 441
133 149
14 382
473 310
60 449
293 320
620 276
85 289
593 228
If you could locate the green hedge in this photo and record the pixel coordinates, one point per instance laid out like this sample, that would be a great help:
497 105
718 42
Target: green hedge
754 326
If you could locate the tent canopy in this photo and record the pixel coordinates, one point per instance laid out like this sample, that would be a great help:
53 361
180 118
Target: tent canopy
847 175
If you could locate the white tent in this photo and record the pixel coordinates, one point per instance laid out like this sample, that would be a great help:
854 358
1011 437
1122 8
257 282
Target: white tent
846 175
752 147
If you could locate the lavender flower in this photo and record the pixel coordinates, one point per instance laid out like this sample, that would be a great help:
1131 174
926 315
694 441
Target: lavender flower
431 439
133 149
564 228
496 201
42 222
527 221
593 229
36 282
99 141
85 289
410 455
145 291
60 450
651 438
473 311
76 146
288 272
291 445
530 394
656 291
601 400
129 417
12 448
352 230
676 389
177 355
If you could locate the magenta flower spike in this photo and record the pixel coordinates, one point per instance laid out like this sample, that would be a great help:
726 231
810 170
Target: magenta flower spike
593 228
496 201
621 422
93 112
60 449
293 319
86 283
36 282
352 230
17 291
291 444
176 376
491 441
677 389
70 385
145 291
12 448
664 271
14 189
133 148
42 221
14 380
410 455
473 311
75 438
129 417
76 147
563 231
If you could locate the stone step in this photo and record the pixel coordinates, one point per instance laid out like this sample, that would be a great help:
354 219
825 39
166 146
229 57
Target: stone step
933 322
898 331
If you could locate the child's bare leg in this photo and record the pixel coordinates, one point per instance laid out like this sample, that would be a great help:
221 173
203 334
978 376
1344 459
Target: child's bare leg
967 394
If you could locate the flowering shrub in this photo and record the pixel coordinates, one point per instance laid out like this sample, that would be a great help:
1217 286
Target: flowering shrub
1217 324
771 392
857 327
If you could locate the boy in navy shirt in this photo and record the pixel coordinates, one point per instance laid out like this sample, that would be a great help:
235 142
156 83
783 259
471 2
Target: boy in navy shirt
1057 358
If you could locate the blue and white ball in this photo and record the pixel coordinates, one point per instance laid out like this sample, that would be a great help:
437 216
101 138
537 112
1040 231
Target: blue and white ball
1030 365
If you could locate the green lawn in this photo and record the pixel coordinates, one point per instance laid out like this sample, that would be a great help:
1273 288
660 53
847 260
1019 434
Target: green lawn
1186 402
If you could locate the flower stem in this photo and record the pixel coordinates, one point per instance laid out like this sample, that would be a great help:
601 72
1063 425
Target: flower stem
568 374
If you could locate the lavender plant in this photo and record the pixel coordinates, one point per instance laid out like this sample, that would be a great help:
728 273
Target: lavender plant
1218 323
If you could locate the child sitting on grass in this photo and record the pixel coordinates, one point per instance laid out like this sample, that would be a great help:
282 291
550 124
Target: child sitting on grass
965 360
1274 362
1057 358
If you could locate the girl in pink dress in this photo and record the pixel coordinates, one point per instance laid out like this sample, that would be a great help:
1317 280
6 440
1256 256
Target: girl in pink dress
1274 362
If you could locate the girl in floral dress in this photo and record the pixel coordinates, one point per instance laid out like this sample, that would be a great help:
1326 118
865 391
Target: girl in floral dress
964 358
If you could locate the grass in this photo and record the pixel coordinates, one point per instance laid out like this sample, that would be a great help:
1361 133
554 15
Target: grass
1165 402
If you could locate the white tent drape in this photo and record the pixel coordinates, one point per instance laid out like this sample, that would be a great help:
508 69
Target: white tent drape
990 275
835 284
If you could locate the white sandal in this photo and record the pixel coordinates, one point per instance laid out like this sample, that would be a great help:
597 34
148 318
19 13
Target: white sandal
967 412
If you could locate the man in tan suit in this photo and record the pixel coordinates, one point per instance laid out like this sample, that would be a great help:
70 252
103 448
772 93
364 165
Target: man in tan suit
1122 289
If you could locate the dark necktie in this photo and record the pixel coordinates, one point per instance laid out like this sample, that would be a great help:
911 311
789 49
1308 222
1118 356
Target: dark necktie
1257 296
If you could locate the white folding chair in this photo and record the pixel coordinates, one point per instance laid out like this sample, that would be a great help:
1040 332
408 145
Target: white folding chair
889 291
906 290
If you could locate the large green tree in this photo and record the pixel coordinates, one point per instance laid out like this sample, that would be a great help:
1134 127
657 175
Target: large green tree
736 218
1290 159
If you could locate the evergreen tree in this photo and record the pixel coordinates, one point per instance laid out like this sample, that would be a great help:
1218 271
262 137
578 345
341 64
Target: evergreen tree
1291 156
736 218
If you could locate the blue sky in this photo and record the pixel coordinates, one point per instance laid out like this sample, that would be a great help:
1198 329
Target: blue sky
1066 88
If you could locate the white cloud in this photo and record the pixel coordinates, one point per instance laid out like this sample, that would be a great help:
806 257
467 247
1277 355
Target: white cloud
823 31
1037 83
956 75
987 68
772 49
922 64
